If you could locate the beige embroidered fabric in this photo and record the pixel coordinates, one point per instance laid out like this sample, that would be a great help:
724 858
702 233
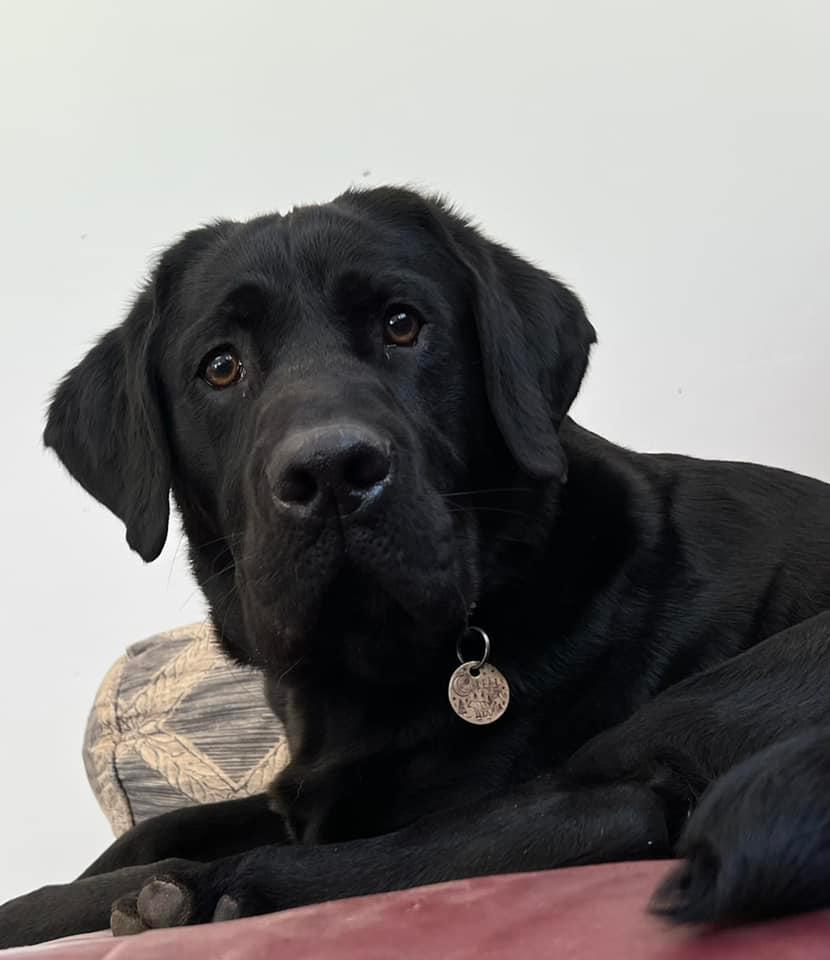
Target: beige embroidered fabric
175 723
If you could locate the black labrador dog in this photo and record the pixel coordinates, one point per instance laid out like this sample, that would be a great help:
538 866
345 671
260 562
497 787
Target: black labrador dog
361 411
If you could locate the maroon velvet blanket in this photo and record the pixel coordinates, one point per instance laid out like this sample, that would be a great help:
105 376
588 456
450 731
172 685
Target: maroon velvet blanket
589 913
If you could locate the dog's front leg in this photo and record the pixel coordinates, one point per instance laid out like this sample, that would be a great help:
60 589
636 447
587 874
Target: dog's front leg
161 844
543 824
201 832
698 729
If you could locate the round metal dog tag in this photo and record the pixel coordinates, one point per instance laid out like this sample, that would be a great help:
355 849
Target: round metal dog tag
478 692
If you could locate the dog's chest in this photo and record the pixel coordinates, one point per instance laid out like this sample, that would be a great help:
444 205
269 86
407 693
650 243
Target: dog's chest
352 775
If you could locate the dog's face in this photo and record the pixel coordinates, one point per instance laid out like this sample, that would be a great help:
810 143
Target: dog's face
327 394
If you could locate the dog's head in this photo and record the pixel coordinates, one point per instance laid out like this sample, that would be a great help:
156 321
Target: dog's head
339 399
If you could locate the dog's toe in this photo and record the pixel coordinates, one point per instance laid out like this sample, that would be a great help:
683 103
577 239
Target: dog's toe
124 918
165 902
227 908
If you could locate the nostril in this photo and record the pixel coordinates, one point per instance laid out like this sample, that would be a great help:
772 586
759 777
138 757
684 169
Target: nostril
297 486
365 467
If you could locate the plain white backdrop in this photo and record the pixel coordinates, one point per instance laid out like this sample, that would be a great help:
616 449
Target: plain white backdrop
669 160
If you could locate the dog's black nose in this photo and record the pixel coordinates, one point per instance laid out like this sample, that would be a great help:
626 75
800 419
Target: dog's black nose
337 467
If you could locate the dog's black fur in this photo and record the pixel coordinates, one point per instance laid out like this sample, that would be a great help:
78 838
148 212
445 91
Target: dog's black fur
659 619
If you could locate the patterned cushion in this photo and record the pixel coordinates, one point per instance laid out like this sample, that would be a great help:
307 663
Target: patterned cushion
174 723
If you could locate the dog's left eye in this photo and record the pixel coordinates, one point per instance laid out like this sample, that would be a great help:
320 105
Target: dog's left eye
401 326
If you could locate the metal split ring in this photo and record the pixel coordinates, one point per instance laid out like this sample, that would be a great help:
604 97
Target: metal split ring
480 664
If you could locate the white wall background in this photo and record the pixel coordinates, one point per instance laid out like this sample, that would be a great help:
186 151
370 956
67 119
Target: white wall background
668 159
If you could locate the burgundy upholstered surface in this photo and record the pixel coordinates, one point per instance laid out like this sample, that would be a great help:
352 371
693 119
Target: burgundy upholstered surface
595 913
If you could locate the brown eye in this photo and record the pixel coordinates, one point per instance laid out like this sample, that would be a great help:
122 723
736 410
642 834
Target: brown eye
401 327
222 368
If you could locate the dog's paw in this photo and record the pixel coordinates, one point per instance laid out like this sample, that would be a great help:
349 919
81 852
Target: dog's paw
175 901
758 844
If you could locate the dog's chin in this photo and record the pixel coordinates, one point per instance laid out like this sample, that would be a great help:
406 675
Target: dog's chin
392 638
361 626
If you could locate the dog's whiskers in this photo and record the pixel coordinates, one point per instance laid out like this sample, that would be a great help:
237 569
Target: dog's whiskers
477 541
288 670
485 490
175 557
474 509
229 538
219 573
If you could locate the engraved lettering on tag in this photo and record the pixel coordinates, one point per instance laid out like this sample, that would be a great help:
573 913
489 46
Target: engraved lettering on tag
478 693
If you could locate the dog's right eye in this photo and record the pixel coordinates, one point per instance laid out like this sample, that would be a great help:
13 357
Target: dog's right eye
222 368
401 326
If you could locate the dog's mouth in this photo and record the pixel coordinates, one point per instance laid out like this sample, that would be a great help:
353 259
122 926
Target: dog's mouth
369 598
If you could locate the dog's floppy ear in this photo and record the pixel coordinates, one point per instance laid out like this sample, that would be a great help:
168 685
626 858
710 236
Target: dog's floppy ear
533 333
105 425
105 421
534 338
